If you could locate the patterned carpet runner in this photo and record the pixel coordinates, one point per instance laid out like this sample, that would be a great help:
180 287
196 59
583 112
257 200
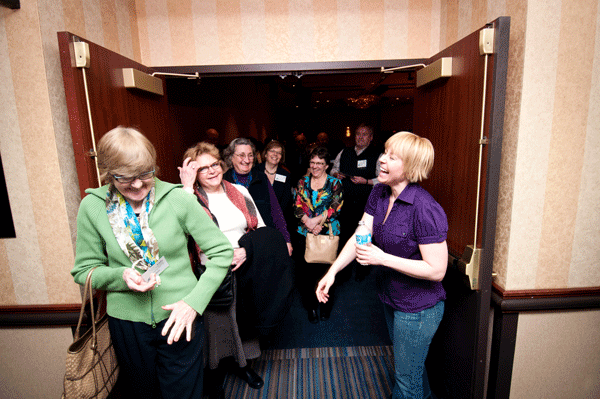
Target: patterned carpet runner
364 372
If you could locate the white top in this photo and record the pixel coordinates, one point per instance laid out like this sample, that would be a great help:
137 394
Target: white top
231 220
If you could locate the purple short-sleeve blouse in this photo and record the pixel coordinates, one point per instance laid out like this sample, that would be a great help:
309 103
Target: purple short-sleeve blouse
416 218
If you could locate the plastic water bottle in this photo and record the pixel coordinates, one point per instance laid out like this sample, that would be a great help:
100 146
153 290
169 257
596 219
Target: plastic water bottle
363 234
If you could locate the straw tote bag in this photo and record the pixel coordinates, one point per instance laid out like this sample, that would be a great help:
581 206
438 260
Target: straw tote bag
92 368
321 248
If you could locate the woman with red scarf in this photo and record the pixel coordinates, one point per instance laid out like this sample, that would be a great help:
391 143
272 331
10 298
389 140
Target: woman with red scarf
233 209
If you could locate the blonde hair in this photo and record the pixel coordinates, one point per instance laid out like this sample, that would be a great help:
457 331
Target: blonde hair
416 153
125 151
200 149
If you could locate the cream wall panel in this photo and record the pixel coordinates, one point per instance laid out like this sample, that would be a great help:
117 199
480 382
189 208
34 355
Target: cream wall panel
465 11
27 275
109 25
33 361
436 20
278 35
206 37
535 127
7 294
49 25
229 22
557 356
159 33
584 270
395 29
326 28
565 158
254 26
74 17
182 28
124 28
302 31
94 30
496 8
371 34
514 87
142 25
349 32
40 160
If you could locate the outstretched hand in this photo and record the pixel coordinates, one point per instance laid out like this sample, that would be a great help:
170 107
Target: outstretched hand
181 318
324 286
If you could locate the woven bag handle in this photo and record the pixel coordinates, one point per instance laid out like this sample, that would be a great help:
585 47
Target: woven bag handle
87 294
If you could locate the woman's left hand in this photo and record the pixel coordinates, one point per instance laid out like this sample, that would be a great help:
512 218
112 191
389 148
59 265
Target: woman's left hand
181 318
317 230
290 249
239 257
369 254
188 172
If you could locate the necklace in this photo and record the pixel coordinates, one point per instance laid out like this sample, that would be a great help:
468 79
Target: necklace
270 173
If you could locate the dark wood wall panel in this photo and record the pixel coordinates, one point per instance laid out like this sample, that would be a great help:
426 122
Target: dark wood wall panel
448 112
113 105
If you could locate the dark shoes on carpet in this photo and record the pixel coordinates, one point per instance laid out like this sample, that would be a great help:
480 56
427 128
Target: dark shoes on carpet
325 314
248 375
313 316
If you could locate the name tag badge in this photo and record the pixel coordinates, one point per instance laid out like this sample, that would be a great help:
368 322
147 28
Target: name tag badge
157 269
362 163
280 178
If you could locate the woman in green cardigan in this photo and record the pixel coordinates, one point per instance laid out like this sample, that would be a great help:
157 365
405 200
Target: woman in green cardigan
127 230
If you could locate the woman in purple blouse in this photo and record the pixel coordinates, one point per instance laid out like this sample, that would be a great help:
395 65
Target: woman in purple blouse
409 246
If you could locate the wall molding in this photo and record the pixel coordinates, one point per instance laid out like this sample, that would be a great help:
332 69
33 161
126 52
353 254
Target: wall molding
39 315
545 299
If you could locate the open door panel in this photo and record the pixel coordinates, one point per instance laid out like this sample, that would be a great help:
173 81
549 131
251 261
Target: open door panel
111 105
464 180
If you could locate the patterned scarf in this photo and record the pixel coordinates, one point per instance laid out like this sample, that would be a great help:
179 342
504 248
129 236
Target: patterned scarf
237 198
133 234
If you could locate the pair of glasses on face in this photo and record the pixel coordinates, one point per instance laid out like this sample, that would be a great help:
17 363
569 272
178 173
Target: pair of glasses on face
127 180
274 152
244 156
317 163
214 166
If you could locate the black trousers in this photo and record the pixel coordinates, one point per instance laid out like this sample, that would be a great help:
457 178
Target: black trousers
308 276
151 368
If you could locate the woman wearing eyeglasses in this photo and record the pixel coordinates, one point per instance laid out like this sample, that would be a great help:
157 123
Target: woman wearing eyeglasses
279 177
240 157
317 206
232 208
125 229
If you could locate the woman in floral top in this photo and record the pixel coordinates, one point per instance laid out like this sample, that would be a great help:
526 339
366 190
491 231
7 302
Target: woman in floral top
318 198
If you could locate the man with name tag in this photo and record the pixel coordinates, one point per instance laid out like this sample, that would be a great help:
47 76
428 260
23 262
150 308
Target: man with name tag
357 168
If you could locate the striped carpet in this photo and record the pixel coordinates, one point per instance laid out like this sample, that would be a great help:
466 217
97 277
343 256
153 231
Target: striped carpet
319 373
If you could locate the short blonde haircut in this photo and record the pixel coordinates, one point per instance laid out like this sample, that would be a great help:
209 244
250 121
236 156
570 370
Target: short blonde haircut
200 149
124 151
416 153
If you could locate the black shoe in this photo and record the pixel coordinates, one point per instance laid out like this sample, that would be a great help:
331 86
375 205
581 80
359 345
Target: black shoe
248 375
325 314
313 317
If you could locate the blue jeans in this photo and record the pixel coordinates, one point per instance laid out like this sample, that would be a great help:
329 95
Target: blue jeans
411 335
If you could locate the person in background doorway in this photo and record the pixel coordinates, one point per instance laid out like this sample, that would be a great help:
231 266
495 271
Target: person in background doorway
279 177
356 167
318 199
410 256
126 227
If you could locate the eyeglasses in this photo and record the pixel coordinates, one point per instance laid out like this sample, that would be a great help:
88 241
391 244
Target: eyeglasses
243 156
317 163
213 166
274 152
127 180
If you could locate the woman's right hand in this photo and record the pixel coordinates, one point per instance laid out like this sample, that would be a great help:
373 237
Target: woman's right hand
135 282
324 285
188 172
311 223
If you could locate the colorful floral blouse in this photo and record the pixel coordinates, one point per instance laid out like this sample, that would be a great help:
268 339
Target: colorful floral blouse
312 203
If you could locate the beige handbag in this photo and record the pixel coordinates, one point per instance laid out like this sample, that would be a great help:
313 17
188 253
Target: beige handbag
92 368
321 248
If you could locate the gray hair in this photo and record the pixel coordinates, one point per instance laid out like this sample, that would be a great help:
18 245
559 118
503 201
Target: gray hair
230 150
